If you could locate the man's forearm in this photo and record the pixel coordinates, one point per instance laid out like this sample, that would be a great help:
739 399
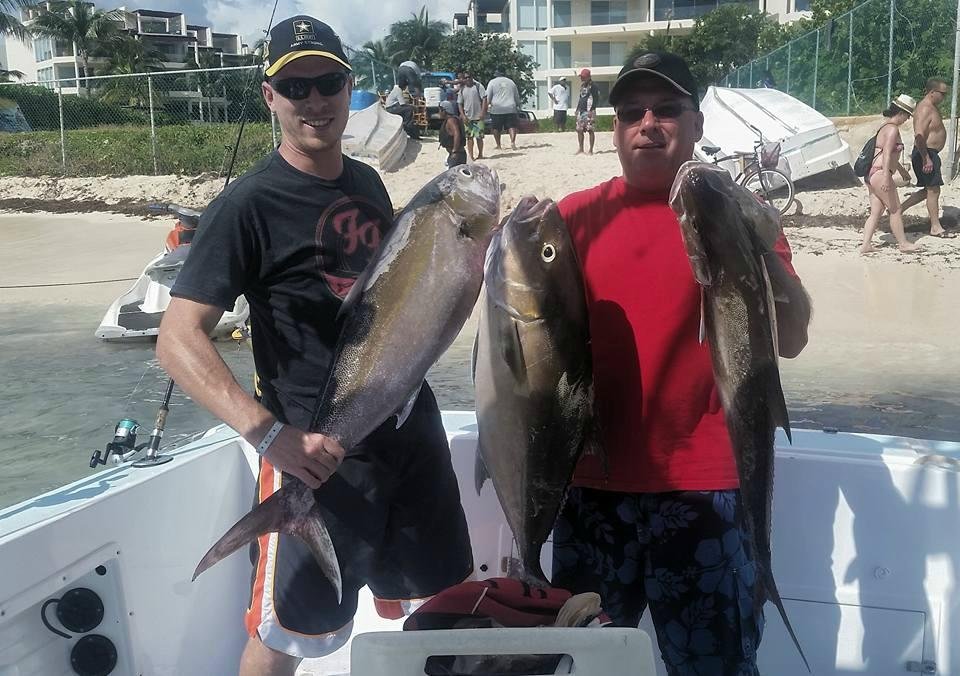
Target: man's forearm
792 308
189 357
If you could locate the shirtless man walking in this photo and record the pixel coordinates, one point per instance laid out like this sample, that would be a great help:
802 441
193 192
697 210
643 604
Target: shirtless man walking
928 142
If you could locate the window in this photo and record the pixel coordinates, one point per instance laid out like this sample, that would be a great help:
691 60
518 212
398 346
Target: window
532 15
609 53
536 50
562 55
43 50
153 26
603 12
603 87
600 54
688 9
618 53
801 5
562 14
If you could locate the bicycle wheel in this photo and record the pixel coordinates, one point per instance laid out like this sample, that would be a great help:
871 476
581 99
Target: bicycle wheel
773 186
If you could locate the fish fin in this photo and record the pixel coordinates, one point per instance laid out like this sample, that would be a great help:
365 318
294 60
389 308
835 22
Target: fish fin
703 315
473 358
772 594
354 294
771 309
480 473
404 412
511 349
776 404
291 510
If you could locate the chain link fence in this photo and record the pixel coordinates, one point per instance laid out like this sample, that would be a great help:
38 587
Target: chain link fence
165 122
857 62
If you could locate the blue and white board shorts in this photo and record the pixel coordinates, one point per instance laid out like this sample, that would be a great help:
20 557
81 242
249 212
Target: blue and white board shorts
683 554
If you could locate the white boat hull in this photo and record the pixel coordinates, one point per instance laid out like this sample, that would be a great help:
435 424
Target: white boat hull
866 555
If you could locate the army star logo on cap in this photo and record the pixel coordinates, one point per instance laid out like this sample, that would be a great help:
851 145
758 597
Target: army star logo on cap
303 27
646 61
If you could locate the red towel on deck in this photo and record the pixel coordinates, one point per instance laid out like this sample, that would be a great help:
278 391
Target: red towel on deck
508 602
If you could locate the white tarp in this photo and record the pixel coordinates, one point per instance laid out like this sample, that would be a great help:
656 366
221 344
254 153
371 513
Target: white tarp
810 143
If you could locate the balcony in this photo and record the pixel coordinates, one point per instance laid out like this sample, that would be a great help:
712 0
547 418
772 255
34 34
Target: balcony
613 30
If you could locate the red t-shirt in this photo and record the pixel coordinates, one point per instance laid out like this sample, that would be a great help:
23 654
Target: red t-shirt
659 409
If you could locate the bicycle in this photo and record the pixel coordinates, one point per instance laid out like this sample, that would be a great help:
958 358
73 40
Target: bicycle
759 173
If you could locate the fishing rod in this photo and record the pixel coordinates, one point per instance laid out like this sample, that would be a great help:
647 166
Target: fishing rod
124 444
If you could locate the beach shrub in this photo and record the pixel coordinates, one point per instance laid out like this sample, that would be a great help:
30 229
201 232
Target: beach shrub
42 110
127 150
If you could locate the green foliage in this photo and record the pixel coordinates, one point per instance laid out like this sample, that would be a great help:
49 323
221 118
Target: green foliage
77 22
416 39
9 23
483 53
41 109
126 150
923 41
373 60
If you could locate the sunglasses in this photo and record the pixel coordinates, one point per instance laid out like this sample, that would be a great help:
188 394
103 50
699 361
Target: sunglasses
668 110
298 88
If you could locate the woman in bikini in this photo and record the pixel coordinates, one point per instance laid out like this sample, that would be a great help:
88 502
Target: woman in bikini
879 180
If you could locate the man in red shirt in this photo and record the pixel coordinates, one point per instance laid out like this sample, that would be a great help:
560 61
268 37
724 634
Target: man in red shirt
659 525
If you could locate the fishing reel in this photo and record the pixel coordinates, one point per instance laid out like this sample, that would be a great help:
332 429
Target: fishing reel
123 446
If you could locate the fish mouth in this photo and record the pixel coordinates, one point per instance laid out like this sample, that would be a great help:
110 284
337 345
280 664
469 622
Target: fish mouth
692 187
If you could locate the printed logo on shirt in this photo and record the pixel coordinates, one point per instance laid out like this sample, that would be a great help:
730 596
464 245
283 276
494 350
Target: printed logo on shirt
348 233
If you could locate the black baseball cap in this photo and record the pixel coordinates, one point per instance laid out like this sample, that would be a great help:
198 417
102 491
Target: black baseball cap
302 35
664 65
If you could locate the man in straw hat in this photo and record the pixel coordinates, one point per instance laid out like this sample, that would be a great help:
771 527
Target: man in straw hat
291 235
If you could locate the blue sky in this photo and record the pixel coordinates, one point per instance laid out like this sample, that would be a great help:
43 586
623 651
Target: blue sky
356 21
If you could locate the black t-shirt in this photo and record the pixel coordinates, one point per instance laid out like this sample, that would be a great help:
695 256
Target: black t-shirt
293 244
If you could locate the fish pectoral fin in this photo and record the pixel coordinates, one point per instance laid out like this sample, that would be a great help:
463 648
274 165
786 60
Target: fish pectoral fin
291 510
480 473
771 308
404 412
511 349
473 357
703 315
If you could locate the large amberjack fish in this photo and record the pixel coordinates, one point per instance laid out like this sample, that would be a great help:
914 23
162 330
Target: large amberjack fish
727 232
533 374
400 316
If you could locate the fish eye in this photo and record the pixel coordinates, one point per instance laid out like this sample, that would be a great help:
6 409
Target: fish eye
548 253
466 172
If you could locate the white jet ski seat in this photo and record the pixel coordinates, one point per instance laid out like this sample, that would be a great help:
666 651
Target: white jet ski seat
606 651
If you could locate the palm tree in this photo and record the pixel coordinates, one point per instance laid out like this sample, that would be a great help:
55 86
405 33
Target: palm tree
9 23
373 60
77 22
128 55
416 39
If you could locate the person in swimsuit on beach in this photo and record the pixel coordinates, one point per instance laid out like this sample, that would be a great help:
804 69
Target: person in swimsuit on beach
879 180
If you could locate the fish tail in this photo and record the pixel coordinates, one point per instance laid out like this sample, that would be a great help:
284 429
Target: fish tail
290 510
771 593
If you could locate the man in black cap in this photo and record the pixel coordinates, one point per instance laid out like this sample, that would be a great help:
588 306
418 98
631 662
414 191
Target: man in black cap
658 524
292 235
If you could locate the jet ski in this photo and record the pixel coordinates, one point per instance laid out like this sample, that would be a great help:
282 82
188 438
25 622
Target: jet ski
137 313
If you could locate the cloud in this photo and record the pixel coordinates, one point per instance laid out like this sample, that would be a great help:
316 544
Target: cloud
356 21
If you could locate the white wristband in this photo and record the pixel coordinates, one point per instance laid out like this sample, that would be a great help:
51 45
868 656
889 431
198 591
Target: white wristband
268 439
